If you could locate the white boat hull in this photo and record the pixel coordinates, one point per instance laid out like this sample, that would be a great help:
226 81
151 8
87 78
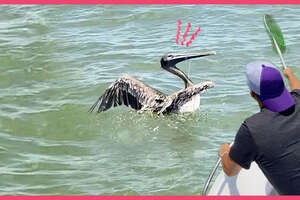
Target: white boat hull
247 182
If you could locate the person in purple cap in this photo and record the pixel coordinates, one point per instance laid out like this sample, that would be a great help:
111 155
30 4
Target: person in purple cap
271 137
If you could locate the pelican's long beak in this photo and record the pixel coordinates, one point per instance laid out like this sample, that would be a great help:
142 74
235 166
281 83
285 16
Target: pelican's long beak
170 60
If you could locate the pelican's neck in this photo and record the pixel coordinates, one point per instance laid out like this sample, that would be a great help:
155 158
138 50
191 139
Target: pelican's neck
174 70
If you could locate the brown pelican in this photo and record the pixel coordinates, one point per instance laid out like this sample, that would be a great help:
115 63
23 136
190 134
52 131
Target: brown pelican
129 91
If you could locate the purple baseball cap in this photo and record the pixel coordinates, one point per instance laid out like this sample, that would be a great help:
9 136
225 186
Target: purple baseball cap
266 82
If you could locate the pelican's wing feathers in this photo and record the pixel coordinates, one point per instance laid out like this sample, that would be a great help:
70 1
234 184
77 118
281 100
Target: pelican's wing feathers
129 91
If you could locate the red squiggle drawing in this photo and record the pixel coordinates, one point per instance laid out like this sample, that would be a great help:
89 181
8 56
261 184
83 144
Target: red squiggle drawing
178 31
185 34
193 37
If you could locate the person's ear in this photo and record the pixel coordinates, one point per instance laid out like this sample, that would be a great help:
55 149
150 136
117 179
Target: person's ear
253 94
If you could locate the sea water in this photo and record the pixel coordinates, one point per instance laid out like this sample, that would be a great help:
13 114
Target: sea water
55 61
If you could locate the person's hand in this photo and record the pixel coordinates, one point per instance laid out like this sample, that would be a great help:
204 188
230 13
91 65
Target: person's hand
293 80
288 72
224 149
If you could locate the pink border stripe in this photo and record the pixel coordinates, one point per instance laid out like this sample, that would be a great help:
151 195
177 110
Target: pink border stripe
149 197
149 2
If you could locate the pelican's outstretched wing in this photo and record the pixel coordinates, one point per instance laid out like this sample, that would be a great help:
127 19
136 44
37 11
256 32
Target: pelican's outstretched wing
183 96
131 92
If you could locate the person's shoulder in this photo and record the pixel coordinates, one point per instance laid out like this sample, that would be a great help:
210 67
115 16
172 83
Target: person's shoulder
257 120
255 116
295 93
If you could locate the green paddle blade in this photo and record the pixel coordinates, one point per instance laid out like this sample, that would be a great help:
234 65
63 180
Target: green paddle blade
274 31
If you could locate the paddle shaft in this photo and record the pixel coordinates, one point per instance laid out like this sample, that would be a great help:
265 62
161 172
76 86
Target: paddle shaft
279 53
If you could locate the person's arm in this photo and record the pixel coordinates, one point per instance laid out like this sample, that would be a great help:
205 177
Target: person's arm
294 82
240 154
230 167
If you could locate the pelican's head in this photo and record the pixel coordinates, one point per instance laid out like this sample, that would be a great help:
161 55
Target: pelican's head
170 60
